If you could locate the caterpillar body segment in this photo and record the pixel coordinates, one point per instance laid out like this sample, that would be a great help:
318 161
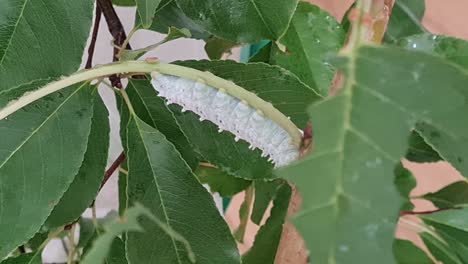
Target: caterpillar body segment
280 141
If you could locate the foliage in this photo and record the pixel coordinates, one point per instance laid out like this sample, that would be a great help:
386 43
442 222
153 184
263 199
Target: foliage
368 106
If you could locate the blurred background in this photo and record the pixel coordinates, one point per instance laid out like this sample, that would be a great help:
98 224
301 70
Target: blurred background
442 17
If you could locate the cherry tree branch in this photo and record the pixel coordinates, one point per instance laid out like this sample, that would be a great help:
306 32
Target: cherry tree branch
118 33
115 165
92 45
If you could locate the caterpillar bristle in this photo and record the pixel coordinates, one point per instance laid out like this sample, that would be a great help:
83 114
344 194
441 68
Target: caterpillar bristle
229 114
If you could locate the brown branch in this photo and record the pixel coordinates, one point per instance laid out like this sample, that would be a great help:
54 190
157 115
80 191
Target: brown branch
117 31
92 45
402 213
115 165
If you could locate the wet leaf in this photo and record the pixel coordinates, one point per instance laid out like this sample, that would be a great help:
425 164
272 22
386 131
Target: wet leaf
405 20
361 134
242 21
312 36
455 51
168 15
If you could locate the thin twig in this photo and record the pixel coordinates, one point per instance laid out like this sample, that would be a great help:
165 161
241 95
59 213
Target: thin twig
72 249
118 33
92 45
115 165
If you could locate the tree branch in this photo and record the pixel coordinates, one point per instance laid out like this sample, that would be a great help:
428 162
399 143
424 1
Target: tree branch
92 45
117 31
115 165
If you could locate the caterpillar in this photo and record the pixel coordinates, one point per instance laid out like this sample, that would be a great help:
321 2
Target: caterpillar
236 110
222 102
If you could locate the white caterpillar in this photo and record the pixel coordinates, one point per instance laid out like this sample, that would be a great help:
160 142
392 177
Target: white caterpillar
232 114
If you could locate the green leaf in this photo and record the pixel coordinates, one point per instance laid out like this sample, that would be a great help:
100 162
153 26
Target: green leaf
172 34
117 253
41 39
452 226
242 21
122 185
265 192
37 240
170 15
131 222
224 184
42 149
87 232
419 150
145 11
244 213
90 231
439 249
161 180
453 195
452 49
263 55
216 47
408 253
312 36
30 258
455 51
268 237
404 180
221 150
405 20
87 182
405 183
361 134
153 111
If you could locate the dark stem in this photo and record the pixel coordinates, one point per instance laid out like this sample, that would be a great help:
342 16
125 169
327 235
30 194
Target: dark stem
115 165
428 212
92 45
117 31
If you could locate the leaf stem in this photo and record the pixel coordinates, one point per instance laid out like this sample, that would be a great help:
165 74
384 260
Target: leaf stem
126 42
139 67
